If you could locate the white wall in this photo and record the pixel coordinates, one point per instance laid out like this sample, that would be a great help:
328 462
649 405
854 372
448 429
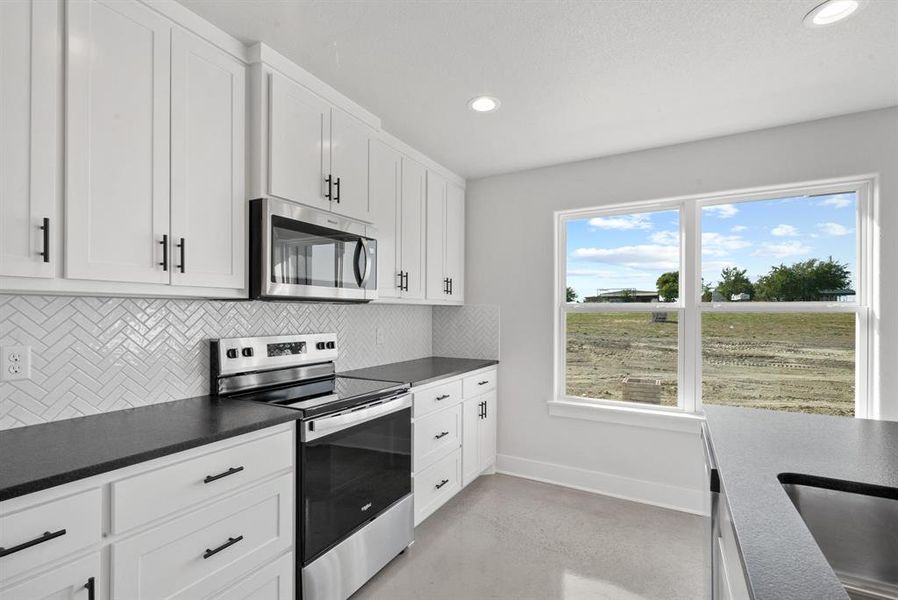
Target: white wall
510 263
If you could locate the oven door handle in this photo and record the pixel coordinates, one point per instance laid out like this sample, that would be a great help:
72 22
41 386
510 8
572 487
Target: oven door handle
316 428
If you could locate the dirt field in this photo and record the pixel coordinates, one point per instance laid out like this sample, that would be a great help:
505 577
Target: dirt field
778 361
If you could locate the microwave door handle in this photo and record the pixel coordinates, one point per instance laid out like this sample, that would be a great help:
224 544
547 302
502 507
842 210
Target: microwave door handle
317 428
362 275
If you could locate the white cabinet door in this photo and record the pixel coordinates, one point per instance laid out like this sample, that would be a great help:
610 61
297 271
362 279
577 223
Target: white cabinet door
384 185
437 285
470 443
455 242
30 59
117 141
487 432
298 136
68 582
413 225
349 165
208 203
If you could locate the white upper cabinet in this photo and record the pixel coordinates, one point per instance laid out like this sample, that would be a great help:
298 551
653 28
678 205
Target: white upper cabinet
384 190
208 194
298 148
30 60
413 224
445 240
349 145
117 142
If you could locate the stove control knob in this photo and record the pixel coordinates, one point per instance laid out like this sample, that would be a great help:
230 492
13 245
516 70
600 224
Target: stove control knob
231 353
331 345
247 352
319 346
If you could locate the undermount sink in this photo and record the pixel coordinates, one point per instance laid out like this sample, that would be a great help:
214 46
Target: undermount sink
857 532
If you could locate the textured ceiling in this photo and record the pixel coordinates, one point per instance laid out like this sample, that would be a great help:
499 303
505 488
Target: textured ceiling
577 79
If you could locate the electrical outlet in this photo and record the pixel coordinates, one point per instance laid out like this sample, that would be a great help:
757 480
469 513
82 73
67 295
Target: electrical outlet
15 363
379 333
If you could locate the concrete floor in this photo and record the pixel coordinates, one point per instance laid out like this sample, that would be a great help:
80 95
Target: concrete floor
506 537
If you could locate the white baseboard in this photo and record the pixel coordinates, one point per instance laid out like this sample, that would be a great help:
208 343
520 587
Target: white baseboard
638 490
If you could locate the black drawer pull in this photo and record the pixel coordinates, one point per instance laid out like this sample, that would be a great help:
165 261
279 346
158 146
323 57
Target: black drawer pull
231 471
441 435
46 537
484 382
91 588
443 397
231 541
442 483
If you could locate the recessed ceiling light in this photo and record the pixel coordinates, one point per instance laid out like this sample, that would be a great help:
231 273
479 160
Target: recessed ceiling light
830 12
483 104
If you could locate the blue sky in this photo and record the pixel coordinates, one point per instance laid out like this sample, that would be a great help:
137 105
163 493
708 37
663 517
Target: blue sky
631 251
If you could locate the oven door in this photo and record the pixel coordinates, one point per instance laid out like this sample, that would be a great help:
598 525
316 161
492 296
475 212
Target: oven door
300 252
353 466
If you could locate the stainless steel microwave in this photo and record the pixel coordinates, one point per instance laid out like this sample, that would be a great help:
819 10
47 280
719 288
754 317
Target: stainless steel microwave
307 254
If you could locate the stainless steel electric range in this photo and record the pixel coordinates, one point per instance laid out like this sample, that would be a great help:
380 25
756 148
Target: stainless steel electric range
354 485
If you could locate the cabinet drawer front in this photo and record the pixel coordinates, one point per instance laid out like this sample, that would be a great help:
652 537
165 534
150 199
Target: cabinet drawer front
436 484
49 531
65 582
475 385
148 496
435 435
274 581
199 553
437 397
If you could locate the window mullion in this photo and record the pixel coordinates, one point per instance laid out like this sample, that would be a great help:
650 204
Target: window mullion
690 282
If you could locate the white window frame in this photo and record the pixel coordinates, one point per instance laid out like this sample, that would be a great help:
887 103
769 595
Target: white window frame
690 308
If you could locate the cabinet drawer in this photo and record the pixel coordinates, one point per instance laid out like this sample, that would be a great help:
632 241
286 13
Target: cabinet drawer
274 581
474 385
147 496
64 582
54 529
436 434
436 397
197 554
436 484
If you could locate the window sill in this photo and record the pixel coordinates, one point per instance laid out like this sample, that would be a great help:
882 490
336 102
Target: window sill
623 415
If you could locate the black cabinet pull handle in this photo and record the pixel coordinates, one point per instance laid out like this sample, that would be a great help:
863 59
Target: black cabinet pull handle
46 537
183 247
484 382
450 286
482 410
485 408
406 281
91 588
330 186
46 229
231 541
443 397
337 192
442 434
442 483
164 242
400 281
231 471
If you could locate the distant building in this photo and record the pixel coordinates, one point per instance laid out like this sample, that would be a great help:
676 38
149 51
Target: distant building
624 296
743 297
843 295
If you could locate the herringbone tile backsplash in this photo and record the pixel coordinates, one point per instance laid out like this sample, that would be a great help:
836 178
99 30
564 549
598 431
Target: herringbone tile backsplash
93 355
470 331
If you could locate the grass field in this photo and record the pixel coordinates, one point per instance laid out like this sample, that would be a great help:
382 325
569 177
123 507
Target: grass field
799 361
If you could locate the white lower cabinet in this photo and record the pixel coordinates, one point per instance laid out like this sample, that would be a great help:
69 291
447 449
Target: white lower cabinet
229 534
71 581
479 440
436 484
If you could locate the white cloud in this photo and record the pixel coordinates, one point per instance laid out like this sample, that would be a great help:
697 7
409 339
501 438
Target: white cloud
589 273
649 256
836 201
784 230
738 228
724 211
718 244
622 222
782 249
667 238
833 229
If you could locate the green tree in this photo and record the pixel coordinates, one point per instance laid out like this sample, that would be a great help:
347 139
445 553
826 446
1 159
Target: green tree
734 281
803 281
669 286
706 291
570 294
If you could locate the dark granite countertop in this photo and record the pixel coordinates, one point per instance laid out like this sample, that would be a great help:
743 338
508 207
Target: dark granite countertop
422 370
752 447
38 457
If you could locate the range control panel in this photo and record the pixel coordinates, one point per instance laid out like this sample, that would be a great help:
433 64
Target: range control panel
244 355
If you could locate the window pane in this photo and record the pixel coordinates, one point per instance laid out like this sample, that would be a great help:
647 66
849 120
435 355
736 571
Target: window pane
623 356
781 250
620 258
800 362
